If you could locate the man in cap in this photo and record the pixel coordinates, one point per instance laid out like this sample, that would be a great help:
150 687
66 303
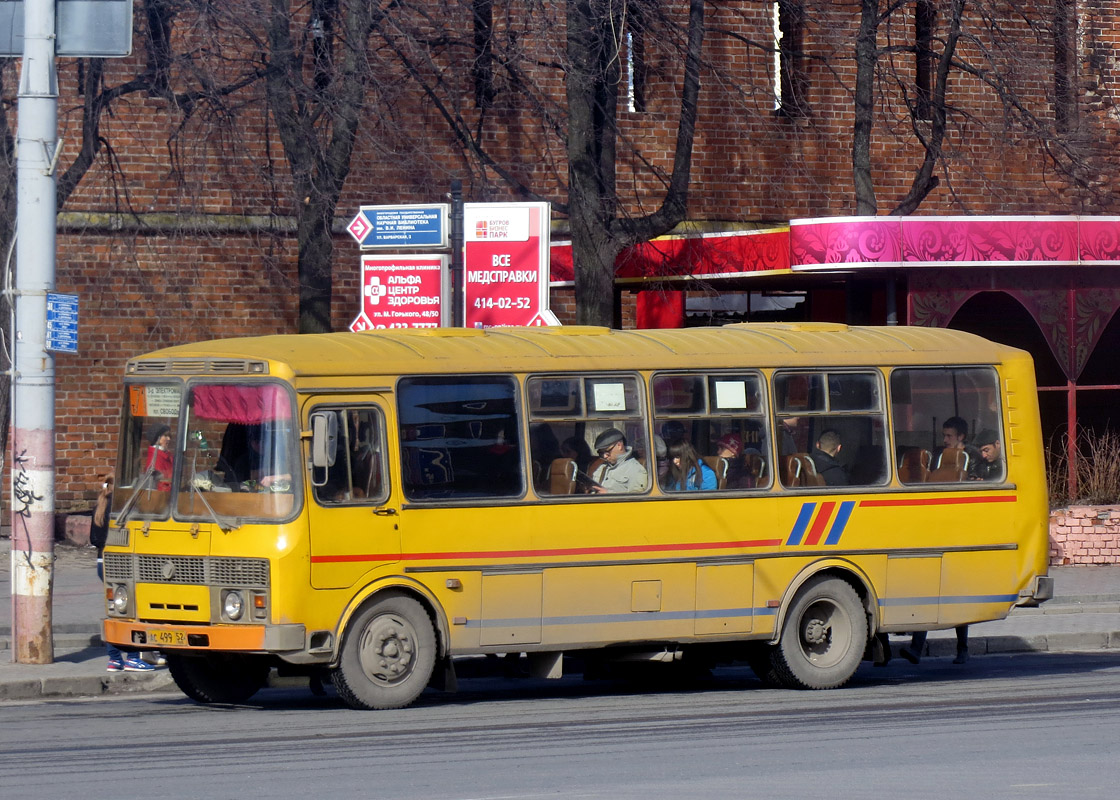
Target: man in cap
989 467
730 447
620 471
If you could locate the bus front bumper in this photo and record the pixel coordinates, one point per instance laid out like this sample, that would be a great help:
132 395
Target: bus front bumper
128 634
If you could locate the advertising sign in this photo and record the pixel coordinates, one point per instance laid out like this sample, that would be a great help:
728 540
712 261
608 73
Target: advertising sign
381 227
505 263
402 291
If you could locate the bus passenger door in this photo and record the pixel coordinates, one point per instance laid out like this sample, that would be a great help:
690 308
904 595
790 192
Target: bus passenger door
913 590
354 514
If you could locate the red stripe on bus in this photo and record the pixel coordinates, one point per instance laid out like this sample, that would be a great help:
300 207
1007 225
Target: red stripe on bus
940 501
451 556
823 516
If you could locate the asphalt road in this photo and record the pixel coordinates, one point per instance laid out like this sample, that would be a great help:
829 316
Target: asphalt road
1021 726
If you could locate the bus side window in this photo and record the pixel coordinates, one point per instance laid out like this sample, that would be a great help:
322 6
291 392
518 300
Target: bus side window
721 416
358 473
937 413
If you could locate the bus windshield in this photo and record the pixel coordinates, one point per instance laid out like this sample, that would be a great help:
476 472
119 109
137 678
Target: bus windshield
235 439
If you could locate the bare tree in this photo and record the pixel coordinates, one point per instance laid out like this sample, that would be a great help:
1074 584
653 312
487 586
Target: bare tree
318 74
580 140
995 48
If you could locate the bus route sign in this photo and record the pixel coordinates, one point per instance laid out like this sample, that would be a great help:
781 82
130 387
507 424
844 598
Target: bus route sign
62 322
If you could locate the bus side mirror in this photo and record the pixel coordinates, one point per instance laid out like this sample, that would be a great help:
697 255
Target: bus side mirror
324 445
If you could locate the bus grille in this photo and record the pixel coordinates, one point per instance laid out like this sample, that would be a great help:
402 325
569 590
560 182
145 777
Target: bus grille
186 569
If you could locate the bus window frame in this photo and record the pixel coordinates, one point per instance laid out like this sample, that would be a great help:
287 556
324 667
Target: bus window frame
709 411
883 413
580 424
125 492
382 497
296 462
996 387
518 417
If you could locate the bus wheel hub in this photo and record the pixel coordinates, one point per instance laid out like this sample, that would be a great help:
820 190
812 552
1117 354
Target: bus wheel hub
816 632
387 652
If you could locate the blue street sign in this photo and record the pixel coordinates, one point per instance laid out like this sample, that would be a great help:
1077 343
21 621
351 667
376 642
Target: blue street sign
400 226
62 322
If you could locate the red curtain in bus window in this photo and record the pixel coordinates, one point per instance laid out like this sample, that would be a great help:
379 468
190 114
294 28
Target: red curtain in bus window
250 405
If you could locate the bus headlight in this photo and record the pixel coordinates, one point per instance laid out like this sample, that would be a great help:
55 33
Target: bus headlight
232 605
120 599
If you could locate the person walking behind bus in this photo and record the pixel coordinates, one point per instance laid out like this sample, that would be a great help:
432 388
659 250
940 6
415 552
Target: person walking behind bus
621 472
913 653
98 535
687 473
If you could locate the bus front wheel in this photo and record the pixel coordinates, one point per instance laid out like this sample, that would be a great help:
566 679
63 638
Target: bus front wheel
823 636
388 655
218 677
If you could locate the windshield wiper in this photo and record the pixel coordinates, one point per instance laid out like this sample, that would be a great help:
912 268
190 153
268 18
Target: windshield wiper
227 524
126 509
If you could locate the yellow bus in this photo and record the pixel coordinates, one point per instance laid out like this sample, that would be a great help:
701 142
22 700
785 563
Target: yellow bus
371 506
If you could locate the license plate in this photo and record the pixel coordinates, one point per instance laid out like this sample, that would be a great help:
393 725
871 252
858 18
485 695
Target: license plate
168 638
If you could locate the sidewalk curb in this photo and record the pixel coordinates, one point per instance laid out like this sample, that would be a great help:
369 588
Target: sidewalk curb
86 685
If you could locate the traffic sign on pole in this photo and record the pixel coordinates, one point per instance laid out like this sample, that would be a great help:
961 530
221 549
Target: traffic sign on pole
400 227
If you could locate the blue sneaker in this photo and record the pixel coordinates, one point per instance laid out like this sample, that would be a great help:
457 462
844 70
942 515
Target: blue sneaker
115 665
137 665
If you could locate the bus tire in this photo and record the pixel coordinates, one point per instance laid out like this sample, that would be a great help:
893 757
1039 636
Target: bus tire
388 655
218 677
823 637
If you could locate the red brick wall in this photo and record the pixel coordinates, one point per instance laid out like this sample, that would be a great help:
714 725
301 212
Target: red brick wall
1085 535
143 290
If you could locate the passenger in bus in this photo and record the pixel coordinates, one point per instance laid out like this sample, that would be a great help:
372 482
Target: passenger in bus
730 447
989 467
159 458
621 472
575 448
661 456
954 432
687 473
787 433
824 458
251 469
674 431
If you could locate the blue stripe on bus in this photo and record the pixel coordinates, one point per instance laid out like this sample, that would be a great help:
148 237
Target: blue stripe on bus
802 523
631 616
837 529
958 600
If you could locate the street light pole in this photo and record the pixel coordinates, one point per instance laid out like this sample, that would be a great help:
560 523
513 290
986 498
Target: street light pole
32 454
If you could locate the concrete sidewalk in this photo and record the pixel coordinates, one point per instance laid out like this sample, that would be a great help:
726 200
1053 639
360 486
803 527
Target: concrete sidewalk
1083 616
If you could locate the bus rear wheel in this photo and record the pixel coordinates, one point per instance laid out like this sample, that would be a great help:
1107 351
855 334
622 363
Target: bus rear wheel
823 636
388 655
218 677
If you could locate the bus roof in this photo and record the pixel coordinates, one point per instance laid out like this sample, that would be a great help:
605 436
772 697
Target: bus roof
464 350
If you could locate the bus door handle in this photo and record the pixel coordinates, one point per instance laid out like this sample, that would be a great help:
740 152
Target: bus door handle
385 512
